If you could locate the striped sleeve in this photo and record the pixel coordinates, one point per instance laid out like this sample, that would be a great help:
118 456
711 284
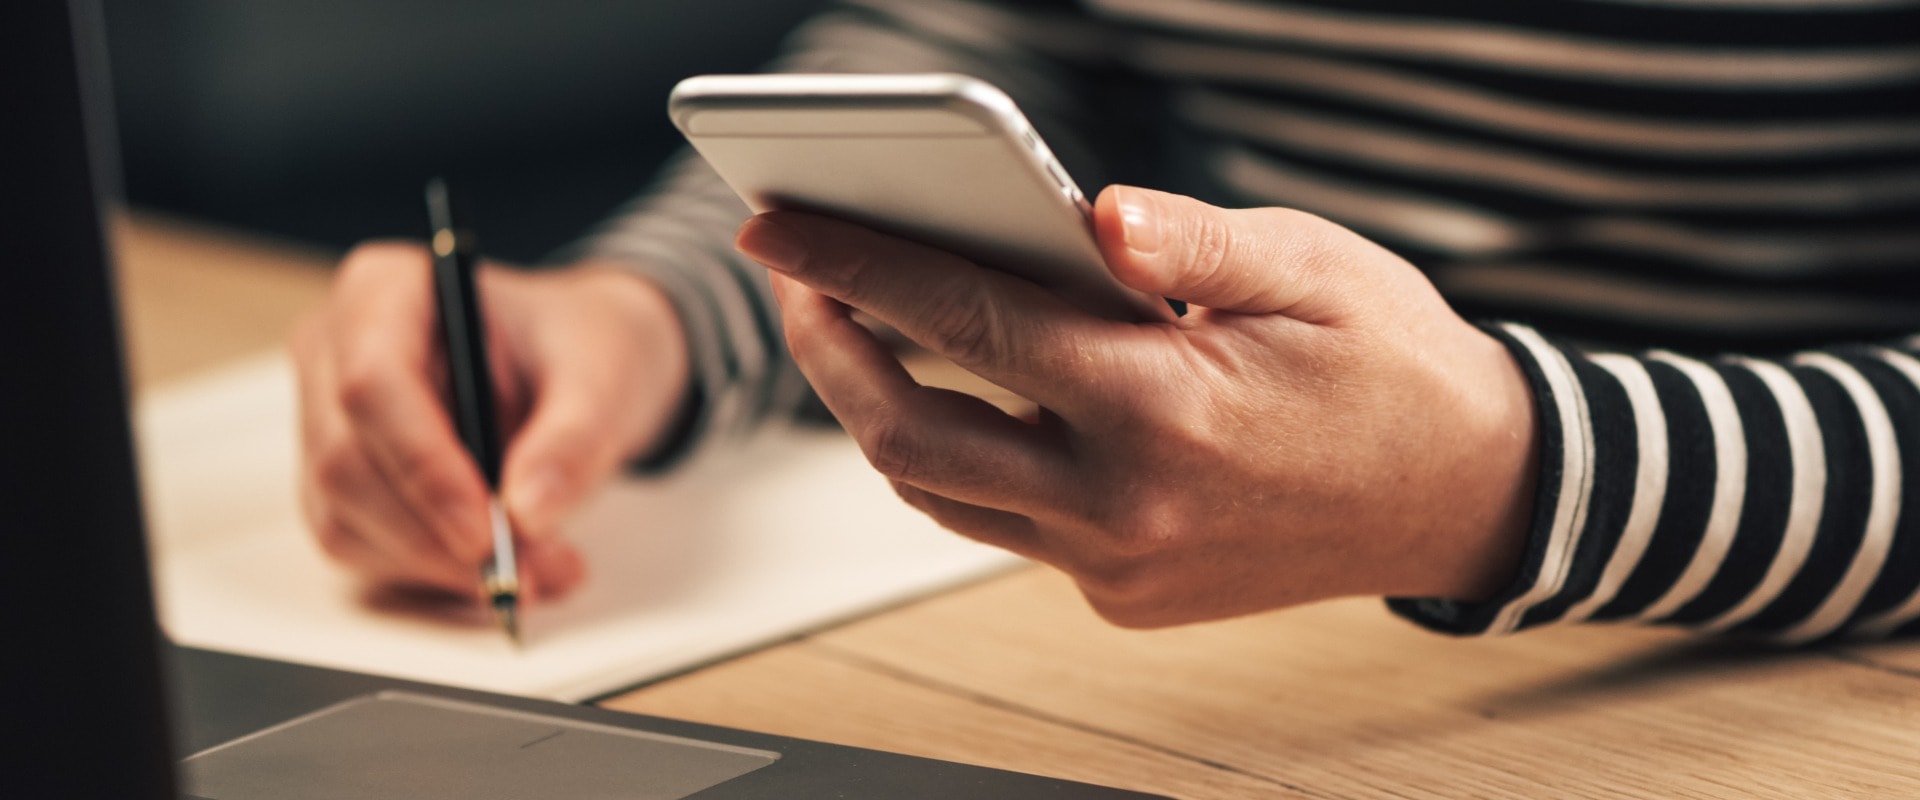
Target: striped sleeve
679 232
1760 497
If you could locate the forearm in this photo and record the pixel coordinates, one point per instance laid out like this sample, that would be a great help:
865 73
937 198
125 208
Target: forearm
1757 496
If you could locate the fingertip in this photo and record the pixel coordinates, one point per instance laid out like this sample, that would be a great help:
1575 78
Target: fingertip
773 243
553 569
532 498
1109 224
1127 227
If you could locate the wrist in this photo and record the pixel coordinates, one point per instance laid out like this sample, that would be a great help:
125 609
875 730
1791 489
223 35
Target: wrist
1497 483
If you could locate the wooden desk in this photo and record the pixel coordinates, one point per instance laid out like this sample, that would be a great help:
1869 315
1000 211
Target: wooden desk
1333 700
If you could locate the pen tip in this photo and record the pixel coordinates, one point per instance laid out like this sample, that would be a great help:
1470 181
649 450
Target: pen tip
506 611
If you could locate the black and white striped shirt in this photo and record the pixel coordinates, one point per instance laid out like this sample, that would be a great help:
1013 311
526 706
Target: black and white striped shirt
1600 176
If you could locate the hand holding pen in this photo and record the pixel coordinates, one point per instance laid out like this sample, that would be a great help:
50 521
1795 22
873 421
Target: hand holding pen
590 364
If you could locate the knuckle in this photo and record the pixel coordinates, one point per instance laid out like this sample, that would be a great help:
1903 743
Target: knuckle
1143 529
923 501
1305 239
913 496
928 504
799 342
1177 420
336 539
891 448
568 441
1127 576
418 549
1125 598
338 470
1117 615
841 272
374 261
363 386
429 480
971 332
1210 243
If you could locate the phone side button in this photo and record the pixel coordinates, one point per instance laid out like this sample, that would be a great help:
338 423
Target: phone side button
1059 175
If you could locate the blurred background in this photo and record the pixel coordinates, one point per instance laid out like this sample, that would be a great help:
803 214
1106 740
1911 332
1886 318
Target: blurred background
320 121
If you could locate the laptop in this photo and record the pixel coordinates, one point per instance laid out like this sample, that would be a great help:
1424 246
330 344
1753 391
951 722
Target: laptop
98 705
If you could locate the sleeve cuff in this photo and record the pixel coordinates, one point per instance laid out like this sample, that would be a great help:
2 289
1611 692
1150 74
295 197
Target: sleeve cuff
1558 510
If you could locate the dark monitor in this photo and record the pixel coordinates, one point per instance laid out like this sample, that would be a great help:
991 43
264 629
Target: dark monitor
83 715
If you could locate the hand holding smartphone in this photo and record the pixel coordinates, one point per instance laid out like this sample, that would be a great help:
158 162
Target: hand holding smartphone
944 160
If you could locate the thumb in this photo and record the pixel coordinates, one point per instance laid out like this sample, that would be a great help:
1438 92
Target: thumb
561 454
605 366
1249 261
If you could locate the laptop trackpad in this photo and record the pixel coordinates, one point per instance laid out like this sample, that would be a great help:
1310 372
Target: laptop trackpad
400 746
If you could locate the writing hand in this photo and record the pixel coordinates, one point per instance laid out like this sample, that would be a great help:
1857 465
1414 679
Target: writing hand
589 364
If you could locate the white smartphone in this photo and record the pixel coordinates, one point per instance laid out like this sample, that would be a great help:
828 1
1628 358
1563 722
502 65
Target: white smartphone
944 160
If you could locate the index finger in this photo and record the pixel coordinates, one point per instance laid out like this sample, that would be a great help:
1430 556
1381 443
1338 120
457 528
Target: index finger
384 353
1000 327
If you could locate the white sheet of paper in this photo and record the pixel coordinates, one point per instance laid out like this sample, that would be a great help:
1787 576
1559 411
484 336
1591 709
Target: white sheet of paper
738 550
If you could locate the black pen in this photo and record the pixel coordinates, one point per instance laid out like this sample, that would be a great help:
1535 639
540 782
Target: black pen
457 295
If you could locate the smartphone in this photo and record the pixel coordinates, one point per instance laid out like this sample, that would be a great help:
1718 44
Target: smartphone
944 160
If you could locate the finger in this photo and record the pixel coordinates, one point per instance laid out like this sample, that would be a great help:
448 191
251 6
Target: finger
338 540
603 389
550 568
1251 261
564 450
370 506
384 352
313 382
387 571
343 491
413 446
1004 329
341 540
946 442
1003 529
368 529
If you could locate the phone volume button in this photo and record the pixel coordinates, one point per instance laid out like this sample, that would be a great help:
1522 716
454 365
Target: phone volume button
1059 175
